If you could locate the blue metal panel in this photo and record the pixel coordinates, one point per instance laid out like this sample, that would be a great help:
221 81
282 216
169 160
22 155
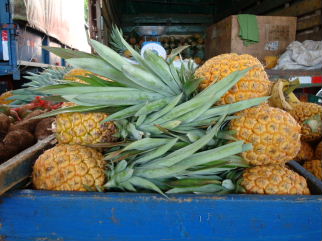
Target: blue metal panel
45 53
43 215
6 23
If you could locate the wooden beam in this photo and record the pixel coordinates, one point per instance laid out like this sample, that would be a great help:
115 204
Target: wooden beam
175 30
174 2
311 35
310 22
237 7
299 8
142 19
265 6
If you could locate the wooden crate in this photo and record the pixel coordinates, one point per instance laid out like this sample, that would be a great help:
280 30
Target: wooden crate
276 33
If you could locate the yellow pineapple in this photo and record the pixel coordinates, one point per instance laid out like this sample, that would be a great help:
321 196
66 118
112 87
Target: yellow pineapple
274 134
273 179
4 96
69 168
315 167
74 73
308 115
305 114
306 152
254 84
84 128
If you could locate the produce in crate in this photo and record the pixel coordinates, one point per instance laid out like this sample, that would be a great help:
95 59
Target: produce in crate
175 139
254 84
84 128
19 130
274 133
273 179
69 168
306 152
315 167
308 115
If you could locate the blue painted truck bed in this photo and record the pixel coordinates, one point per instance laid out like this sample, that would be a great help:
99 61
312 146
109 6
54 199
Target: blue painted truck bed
45 215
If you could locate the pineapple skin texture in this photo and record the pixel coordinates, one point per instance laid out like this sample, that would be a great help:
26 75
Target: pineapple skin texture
273 179
254 84
274 134
315 167
84 128
303 111
72 75
4 96
69 168
306 152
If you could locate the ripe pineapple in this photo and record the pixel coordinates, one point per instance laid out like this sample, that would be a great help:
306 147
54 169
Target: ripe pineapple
4 96
254 84
164 118
318 151
306 152
273 179
274 134
84 128
308 115
74 73
315 167
69 168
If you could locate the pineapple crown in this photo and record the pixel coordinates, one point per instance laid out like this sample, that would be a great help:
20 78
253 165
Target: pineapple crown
177 140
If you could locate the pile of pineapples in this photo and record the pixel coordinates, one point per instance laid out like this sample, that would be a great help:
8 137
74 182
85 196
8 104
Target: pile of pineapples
152 126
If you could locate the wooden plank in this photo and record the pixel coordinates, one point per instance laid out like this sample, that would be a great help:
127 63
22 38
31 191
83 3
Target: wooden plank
265 6
309 22
173 30
223 11
42 215
19 167
311 35
134 19
299 8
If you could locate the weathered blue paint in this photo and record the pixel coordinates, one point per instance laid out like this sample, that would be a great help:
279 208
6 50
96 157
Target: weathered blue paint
43 215
8 67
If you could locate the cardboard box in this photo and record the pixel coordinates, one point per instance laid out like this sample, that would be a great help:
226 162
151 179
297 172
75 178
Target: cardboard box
276 33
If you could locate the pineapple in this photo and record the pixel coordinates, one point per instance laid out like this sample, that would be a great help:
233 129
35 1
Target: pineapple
306 152
315 167
254 84
84 128
274 134
273 179
69 168
175 137
76 74
308 115
318 151
4 96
